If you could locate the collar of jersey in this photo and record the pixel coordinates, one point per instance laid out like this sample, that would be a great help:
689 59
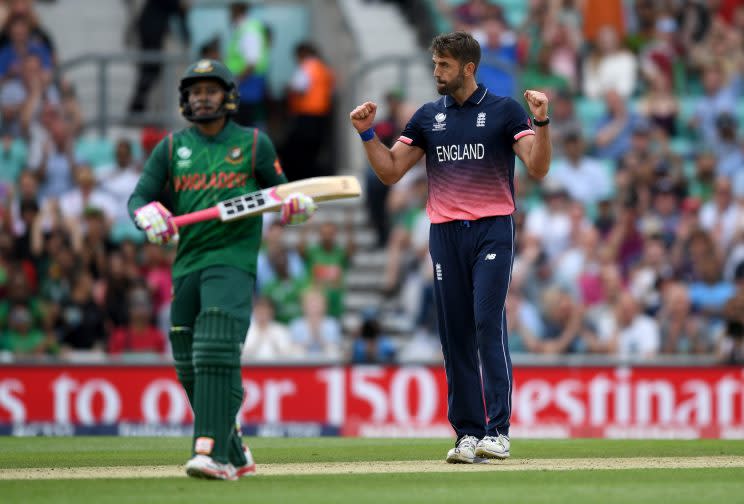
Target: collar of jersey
474 99
215 138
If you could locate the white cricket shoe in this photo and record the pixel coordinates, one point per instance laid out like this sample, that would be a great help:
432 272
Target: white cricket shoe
249 469
493 447
205 467
464 452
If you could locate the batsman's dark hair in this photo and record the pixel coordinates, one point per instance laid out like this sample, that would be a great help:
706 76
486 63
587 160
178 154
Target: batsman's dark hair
459 45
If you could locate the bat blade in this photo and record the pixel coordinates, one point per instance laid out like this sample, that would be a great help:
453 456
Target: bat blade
270 199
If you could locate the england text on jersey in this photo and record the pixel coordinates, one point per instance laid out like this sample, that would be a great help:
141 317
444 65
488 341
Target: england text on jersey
460 152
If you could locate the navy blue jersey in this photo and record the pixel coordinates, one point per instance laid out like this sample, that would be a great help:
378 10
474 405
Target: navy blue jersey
469 155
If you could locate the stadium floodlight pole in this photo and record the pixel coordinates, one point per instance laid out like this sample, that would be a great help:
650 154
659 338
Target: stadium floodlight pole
271 198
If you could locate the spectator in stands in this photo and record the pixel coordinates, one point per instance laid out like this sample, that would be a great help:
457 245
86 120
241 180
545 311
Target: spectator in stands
21 44
472 13
81 322
25 8
72 112
91 241
13 154
565 41
21 97
284 291
405 203
24 338
549 225
55 159
152 26
703 180
599 16
139 335
609 67
118 283
720 44
272 247
728 149
721 214
682 331
22 247
327 261
605 290
19 293
627 332
541 76
267 340
665 212
581 256
317 334
370 344
248 58
659 55
710 292
87 195
524 322
625 240
563 325
659 106
58 268
585 179
721 93
564 117
211 49
614 131
646 278
497 69
120 178
730 344
310 106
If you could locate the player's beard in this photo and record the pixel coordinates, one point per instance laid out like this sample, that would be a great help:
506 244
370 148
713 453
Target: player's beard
209 115
448 88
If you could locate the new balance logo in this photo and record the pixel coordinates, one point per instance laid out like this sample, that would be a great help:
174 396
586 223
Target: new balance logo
438 269
490 257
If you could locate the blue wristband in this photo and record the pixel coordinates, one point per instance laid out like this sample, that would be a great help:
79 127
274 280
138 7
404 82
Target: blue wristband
367 135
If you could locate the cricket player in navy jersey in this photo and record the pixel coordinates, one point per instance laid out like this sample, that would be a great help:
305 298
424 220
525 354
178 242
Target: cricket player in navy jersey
469 137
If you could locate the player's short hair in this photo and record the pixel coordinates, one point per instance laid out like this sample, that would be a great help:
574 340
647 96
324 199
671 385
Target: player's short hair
459 45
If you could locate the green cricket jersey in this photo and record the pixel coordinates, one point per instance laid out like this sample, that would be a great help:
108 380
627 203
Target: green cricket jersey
201 171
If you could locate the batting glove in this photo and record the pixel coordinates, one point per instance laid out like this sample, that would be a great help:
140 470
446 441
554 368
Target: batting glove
157 223
297 208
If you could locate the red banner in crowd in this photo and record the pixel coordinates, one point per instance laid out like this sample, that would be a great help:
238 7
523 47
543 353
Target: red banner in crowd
390 401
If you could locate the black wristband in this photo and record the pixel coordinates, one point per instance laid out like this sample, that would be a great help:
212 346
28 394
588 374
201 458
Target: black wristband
541 123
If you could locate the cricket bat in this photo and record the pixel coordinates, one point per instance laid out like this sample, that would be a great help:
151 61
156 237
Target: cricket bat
270 199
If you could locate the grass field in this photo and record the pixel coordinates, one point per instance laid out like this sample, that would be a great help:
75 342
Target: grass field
142 470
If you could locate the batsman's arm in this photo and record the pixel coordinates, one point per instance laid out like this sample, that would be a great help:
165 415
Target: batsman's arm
268 169
153 178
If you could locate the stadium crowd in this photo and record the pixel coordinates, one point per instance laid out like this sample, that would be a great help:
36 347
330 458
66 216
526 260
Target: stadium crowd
633 246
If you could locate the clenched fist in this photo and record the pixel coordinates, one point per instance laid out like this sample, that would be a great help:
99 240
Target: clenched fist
363 116
538 104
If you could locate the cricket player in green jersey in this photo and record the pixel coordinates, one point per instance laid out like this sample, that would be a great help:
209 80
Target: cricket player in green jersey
215 267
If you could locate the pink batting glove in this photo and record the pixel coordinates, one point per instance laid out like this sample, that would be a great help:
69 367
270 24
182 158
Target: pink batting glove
297 208
157 223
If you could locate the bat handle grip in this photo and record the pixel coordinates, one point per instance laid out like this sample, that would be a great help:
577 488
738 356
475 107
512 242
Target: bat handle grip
198 216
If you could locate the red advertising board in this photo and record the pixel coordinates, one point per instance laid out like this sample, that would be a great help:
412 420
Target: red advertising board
392 401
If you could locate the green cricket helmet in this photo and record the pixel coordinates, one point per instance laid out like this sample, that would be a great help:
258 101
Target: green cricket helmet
208 69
